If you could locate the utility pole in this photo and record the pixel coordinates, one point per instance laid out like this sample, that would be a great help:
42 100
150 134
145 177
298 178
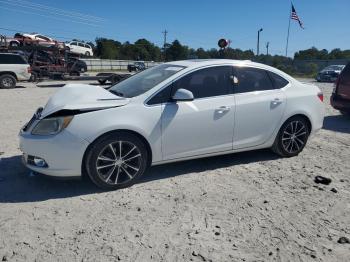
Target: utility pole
165 32
267 48
257 48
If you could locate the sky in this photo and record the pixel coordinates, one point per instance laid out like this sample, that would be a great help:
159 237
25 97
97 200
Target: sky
196 23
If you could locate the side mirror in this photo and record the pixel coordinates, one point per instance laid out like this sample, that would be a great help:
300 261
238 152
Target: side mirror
183 95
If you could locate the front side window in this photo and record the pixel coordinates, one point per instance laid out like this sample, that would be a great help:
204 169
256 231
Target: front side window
252 79
208 82
73 43
144 81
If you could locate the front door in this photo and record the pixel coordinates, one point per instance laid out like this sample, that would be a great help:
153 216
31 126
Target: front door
204 125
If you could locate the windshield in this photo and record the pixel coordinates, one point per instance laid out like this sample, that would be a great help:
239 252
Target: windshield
145 80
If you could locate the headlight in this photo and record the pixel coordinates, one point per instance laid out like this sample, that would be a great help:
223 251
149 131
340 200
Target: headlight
51 126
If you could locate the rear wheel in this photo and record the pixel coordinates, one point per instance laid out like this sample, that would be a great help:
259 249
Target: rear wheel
87 53
292 137
7 81
116 160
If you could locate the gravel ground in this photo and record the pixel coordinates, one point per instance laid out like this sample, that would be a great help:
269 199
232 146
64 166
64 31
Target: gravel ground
249 206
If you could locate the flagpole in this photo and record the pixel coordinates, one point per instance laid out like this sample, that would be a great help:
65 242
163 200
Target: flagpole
289 18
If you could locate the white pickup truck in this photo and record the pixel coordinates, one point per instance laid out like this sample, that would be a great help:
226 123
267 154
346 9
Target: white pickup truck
13 68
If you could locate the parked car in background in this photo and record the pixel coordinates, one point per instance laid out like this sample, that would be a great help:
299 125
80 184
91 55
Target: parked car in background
13 68
330 73
137 66
171 112
80 48
340 98
76 66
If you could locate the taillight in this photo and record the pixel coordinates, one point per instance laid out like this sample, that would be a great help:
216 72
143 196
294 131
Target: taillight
29 69
320 96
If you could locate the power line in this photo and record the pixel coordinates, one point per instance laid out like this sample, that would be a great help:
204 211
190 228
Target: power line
52 10
52 17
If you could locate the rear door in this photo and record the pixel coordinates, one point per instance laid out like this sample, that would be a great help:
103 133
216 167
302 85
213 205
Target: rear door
260 104
344 83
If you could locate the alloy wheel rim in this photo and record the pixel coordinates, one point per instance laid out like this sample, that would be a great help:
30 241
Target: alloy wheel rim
118 162
7 82
294 137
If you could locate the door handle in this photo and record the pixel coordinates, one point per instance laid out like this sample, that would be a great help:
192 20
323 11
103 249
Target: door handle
223 109
276 101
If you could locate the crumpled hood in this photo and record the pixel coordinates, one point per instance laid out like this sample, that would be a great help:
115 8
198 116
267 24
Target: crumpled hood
82 97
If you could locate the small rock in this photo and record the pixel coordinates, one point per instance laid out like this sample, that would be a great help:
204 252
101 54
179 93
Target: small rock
313 256
343 240
342 180
194 253
217 226
334 190
322 180
270 254
166 246
4 258
265 201
139 209
217 233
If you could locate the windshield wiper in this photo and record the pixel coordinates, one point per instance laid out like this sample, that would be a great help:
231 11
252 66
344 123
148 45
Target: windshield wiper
116 93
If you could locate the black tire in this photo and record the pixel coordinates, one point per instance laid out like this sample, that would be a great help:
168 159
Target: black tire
287 145
7 81
102 82
87 53
105 167
74 73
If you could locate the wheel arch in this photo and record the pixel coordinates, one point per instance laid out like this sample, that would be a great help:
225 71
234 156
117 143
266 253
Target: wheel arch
9 73
143 139
305 116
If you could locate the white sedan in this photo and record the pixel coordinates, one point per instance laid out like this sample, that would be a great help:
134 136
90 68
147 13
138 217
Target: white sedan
172 112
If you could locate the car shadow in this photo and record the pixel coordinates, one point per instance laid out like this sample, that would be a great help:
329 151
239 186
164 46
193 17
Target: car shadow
18 184
337 123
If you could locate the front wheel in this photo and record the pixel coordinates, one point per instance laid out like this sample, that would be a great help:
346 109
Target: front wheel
292 137
116 160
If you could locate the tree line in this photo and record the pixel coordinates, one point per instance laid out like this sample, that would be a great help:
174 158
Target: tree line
145 50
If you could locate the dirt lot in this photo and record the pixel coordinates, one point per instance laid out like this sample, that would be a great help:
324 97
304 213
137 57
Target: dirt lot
242 207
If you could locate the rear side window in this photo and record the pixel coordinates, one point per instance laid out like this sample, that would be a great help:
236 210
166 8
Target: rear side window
80 44
11 59
208 82
252 79
87 46
278 81
73 43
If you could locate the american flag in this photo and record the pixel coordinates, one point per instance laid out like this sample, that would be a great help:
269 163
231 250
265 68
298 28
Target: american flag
294 16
